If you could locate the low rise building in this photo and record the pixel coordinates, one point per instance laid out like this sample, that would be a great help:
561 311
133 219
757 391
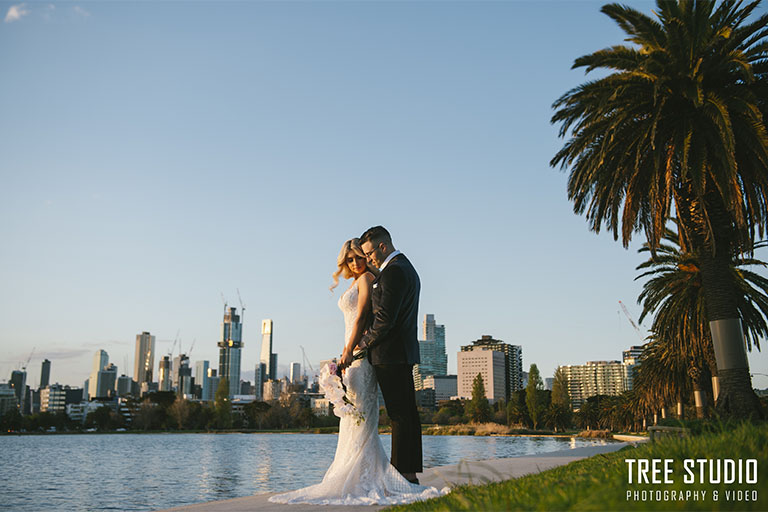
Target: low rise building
444 386
53 398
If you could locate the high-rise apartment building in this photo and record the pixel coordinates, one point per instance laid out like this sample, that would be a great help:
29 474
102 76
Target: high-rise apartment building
513 361
596 378
434 360
230 347
45 373
631 357
144 359
490 364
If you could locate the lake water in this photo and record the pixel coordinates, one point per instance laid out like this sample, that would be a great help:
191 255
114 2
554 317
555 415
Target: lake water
155 471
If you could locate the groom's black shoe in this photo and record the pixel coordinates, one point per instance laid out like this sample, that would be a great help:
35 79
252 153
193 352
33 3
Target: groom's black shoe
414 481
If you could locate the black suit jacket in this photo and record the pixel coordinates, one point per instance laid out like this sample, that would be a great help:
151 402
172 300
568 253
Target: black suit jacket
391 339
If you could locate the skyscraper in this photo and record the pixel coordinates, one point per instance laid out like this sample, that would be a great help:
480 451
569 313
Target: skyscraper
295 373
202 380
213 382
144 359
107 378
164 374
260 379
267 357
513 361
230 345
45 373
19 385
124 385
100 362
434 360
182 375
178 361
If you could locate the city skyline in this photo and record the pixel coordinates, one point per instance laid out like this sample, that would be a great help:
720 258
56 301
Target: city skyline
237 148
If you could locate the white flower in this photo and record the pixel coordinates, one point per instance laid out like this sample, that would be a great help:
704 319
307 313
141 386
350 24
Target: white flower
334 391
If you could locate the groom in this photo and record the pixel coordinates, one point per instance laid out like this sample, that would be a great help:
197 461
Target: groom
392 345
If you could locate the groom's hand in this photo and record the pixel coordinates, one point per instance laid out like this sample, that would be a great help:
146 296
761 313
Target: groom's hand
346 359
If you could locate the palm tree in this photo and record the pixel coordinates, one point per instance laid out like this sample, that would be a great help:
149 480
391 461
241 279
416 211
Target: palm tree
663 378
680 122
674 294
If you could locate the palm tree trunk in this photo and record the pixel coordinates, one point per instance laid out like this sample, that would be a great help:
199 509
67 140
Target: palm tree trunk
698 399
664 413
714 239
736 396
680 410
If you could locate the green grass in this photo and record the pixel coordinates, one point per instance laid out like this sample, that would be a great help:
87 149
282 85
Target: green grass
601 483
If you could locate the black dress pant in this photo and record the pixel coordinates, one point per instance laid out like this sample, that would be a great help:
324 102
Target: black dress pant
396 383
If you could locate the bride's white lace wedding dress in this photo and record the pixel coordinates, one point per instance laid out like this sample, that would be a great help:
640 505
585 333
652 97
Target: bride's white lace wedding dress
360 473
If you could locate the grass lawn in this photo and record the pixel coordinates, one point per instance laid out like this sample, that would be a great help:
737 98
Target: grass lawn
601 482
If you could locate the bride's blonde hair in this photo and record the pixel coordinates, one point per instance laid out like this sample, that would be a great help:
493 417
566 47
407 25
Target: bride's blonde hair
342 270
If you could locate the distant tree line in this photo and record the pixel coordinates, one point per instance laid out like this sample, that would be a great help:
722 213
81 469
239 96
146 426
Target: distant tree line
165 411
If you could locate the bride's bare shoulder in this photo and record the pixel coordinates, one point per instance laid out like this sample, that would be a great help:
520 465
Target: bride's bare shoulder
365 279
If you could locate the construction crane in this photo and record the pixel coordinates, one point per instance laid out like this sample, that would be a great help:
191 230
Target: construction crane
306 361
634 325
175 340
225 302
24 366
242 306
191 347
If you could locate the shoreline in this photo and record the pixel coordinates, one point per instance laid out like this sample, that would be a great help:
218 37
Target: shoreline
622 437
466 472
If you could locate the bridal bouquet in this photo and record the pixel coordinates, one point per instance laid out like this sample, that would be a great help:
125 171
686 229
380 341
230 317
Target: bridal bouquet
335 391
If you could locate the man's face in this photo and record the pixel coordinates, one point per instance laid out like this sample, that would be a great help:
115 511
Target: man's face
373 253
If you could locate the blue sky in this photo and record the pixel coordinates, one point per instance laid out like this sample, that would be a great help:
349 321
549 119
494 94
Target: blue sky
158 154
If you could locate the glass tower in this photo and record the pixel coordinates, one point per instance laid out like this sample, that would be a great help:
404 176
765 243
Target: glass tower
434 360
268 358
230 346
144 359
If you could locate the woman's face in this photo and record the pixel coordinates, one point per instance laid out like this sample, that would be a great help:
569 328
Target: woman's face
356 263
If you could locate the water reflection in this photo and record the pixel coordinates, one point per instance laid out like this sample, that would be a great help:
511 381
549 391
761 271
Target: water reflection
151 471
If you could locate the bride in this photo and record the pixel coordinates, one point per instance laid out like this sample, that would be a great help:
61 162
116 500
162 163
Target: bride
360 473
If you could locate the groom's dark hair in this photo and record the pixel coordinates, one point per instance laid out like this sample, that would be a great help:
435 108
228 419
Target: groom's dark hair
375 235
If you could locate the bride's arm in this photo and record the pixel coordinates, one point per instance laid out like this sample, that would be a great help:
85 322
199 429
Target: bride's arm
363 305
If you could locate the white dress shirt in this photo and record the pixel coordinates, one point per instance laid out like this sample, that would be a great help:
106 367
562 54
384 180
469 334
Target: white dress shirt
392 255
